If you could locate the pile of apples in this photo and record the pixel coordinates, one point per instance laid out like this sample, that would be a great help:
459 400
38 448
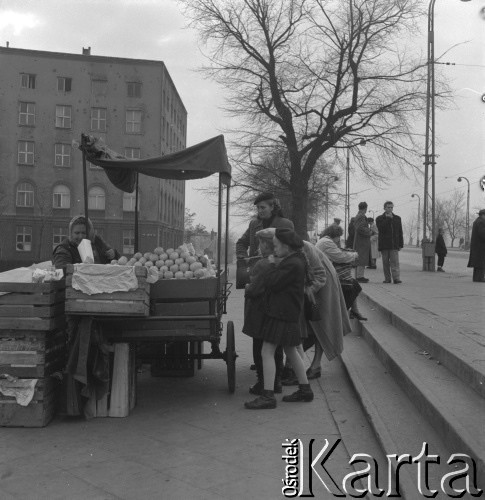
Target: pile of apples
171 263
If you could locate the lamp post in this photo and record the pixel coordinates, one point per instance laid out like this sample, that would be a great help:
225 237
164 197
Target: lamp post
362 142
467 215
430 152
419 215
332 179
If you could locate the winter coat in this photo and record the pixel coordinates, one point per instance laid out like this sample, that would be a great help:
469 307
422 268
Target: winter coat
67 253
362 239
390 232
249 242
477 244
440 247
285 284
335 319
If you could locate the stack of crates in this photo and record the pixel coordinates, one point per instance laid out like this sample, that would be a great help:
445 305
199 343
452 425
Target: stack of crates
32 346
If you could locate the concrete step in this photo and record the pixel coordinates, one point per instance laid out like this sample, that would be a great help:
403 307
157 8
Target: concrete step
397 423
456 411
457 348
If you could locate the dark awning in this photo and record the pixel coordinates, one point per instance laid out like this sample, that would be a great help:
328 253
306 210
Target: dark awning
196 162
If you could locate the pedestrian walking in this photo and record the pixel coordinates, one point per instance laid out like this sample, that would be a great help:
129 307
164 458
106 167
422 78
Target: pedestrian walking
477 248
374 247
361 244
285 285
390 241
440 249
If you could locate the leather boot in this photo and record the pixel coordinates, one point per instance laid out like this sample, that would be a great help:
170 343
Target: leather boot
304 393
356 313
266 401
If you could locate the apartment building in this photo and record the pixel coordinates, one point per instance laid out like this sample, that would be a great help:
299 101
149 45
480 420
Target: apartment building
47 100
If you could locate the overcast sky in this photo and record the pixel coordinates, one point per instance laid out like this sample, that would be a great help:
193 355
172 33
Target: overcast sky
154 29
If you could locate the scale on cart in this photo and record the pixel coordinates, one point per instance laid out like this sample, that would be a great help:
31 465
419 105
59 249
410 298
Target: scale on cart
183 312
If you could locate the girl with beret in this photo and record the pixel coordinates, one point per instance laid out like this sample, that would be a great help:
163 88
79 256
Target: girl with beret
284 284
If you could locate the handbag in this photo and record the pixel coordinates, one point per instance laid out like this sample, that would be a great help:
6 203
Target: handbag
310 307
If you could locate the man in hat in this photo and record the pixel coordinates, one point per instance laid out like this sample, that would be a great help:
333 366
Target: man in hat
477 248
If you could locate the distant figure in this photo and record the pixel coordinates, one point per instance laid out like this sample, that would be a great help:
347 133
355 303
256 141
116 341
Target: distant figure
440 249
391 240
374 251
337 221
477 248
361 243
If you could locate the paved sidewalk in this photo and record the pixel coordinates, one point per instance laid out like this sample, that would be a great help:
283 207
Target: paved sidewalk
187 438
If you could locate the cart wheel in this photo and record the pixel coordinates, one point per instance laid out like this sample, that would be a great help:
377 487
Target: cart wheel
231 357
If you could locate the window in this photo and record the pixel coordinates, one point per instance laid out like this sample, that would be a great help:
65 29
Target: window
129 241
133 121
27 81
133 153
62 155
64 84
99 87
129 202
58 234
26 113
98 119
25 195
61 197
24 239
63 116
133 89
25 153
96 198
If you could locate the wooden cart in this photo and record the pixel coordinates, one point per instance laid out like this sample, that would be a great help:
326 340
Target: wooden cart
184 312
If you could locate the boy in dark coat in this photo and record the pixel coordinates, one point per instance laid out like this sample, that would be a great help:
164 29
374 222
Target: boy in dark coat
440 249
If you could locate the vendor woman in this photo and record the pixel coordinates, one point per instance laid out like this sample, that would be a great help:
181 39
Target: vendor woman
86 374
67 253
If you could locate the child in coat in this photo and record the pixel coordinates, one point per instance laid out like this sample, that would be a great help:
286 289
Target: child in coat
284 285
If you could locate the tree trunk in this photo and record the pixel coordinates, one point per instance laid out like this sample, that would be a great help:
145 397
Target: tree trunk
299 198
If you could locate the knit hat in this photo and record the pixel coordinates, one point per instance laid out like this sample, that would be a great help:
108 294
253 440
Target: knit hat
264 197
288 237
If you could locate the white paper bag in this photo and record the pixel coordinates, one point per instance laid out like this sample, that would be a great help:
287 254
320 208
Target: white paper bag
86 251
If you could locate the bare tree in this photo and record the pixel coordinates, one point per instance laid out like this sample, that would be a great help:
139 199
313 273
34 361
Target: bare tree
409 229
454 215
316 77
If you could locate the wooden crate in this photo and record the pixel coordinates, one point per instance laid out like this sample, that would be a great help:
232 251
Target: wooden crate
38 413
32 354
132 303
121 398
32 306
205 288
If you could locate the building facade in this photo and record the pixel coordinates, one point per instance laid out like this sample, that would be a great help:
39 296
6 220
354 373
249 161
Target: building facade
47 100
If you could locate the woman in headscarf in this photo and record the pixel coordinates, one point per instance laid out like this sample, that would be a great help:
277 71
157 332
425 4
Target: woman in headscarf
86 373
67 252
269 215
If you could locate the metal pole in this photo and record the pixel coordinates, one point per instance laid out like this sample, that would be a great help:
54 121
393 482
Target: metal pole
433 151
419 215
467 215
85 183
136 215
347 194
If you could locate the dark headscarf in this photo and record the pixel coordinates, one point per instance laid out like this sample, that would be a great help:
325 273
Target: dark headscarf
289 237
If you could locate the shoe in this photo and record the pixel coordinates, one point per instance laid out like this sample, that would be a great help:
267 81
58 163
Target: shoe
257 388
357 315
266 401
363 280
252 367
440 270
313 373
278 386
387 281
304 393
396 282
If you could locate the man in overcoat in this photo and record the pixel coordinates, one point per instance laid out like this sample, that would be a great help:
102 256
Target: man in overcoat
477 248
361 244
390 241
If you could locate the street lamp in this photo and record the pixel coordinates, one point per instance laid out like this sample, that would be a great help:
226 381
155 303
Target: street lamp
467 215
332 179
362 142
430 153
419 214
